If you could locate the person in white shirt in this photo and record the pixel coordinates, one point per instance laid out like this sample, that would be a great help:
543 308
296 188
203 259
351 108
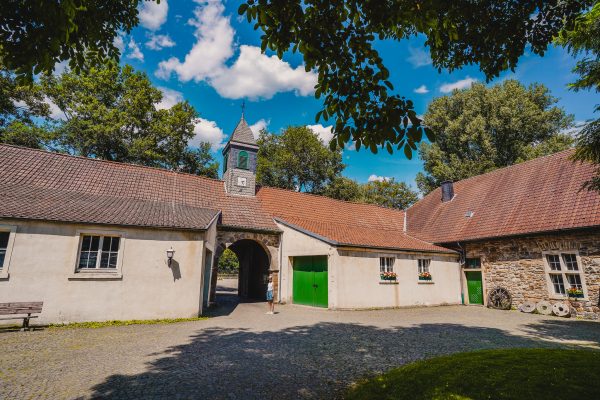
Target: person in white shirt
270 296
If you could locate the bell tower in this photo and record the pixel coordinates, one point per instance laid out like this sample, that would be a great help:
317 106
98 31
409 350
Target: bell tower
239 161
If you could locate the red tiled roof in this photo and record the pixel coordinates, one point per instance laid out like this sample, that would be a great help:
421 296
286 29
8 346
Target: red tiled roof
340 222
535 196
54 186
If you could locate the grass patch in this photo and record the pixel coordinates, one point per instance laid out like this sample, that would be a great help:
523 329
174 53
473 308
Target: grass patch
491 374
94 325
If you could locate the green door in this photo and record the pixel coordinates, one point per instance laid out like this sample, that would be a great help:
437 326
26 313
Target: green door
310 281
475 287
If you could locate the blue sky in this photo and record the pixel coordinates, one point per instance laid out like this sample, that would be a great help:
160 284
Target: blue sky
205 53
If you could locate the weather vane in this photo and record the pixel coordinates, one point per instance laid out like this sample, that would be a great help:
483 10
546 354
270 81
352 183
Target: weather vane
243 107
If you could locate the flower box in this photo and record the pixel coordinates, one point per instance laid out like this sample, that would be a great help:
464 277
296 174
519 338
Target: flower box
388 276
574 293
425 276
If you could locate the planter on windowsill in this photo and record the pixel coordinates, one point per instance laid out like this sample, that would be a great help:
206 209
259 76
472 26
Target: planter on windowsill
425 276
388 282
574 294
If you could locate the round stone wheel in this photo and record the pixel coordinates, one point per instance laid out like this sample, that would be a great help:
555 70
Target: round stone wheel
544 307
561 309
527 307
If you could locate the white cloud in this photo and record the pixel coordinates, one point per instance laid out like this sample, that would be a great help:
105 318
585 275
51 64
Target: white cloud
214 45
252 75
153 15
134 51
208 131
377 178
421 89
418 57
170 98
119 43
159 42
255 75
462 84
325 133
258 126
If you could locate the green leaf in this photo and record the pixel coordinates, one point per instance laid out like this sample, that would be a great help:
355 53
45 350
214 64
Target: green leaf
242 8
408 152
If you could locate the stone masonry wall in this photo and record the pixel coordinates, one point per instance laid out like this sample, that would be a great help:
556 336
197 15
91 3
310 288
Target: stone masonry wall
269 242
517 264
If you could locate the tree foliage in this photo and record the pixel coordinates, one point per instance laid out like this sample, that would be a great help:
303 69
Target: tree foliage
584 39
484 128
36 35
111 113
296 159
389 193
337 40
228 263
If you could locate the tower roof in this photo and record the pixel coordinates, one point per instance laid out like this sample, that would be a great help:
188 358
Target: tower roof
243 133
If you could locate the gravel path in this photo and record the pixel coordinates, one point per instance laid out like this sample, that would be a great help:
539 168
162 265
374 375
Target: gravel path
241 353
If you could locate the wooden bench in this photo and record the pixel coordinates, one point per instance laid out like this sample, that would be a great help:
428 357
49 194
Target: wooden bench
22 308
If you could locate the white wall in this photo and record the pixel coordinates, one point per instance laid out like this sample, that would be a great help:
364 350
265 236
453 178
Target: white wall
44 257
354 279
359 284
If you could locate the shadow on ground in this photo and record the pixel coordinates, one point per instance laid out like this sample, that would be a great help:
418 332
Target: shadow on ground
315 361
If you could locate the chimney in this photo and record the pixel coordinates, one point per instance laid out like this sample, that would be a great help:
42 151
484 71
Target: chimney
447 191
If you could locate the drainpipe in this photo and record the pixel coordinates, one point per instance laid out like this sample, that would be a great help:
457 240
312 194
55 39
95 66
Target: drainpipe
463 255
280 266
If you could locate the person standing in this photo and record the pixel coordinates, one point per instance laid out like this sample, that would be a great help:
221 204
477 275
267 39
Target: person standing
270 296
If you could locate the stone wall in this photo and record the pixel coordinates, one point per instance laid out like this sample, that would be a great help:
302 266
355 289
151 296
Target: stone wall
268 241
517 264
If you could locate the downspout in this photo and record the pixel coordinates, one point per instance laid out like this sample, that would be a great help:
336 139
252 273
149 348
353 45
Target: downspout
280 266
461 263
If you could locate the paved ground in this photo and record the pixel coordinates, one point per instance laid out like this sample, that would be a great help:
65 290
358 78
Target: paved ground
241 353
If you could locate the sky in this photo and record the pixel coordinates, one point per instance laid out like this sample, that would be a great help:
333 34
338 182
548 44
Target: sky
203 52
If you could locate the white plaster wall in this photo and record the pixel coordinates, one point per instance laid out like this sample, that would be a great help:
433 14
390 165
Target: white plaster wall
359 284
43 262
354 279
295 244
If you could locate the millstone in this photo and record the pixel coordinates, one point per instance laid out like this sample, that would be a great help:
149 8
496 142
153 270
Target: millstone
527 307
561 309
544 307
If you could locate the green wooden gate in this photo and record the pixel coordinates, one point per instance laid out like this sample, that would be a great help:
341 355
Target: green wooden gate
310 281
475 287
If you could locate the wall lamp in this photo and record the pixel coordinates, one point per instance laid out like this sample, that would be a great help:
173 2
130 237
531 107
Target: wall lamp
170 254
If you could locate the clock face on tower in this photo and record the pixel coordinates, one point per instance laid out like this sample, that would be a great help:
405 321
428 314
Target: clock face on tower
241 181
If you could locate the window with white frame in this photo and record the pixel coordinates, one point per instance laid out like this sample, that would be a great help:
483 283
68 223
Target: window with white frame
98 252
564 272
386 264
3 247
424 265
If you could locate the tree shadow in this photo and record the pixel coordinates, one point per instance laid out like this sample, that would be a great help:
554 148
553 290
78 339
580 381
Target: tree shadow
310 361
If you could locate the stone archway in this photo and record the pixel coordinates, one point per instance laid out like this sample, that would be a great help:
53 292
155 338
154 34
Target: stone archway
258 253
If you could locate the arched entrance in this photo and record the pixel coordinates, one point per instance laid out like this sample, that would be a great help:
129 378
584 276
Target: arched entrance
254 269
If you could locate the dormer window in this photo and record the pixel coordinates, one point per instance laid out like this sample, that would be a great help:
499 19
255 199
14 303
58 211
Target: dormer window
242 162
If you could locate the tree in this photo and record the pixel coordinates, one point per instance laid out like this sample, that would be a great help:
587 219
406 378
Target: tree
342 188
337 40
584 38
228 263
296 159
484 128
35 35
389 193
110 113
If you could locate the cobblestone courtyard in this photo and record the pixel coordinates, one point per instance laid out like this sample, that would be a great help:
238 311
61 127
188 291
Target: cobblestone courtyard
241 353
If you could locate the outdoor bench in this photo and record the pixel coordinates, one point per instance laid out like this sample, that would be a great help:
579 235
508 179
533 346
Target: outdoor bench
19 309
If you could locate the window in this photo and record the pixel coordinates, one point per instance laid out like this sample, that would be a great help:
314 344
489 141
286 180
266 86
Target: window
3 246
473 263
242 160
99 252
424 265
564 273
386 264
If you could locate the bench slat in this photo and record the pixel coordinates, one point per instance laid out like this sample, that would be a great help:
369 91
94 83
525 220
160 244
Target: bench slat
21 307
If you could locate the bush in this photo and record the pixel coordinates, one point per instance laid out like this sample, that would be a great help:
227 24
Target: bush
228 263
